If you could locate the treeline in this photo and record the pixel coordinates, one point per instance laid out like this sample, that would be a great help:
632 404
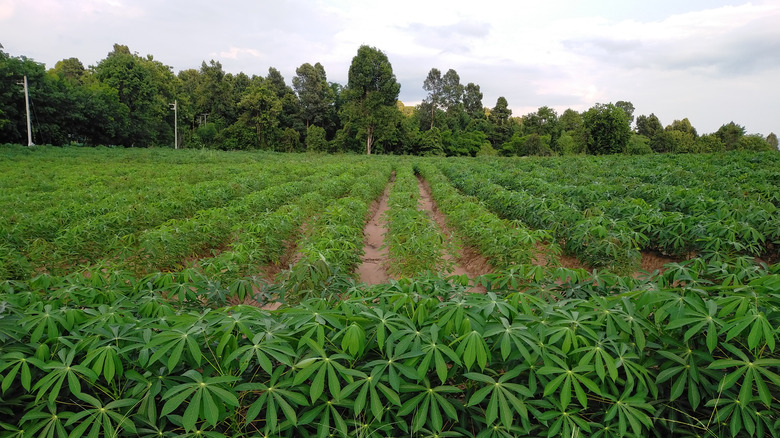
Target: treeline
126 100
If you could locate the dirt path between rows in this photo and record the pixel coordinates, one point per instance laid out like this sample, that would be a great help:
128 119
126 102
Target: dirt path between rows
373 270
469 261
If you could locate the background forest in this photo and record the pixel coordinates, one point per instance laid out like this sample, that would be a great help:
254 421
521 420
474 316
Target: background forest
126 100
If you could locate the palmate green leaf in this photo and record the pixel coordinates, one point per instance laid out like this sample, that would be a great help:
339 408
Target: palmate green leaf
512 336
630 410
568 380
393 367
46 319
15 364
748 372
106 360
567 422
504 401
45 420
698 315
171 344
385 321
369 394
110 419
428 405
264 351
354 340
146 389
58 372
598 355
473 348
325 367
201 393
435 352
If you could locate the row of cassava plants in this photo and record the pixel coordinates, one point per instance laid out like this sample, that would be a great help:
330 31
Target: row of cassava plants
711 210
87 219
504 243
333 248
597 240
167 245
413 240
104 355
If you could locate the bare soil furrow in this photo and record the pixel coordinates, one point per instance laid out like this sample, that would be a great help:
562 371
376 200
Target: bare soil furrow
373 269
468 261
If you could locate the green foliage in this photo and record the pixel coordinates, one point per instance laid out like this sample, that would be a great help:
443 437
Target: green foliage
371 95
629 357
414 242
638 145
710 143
608 129
544 351
567 144
730 134
681 142
315 139
486 150
772 140
649 126
754 142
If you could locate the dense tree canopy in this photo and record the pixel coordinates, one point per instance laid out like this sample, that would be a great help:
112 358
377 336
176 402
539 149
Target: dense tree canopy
125 99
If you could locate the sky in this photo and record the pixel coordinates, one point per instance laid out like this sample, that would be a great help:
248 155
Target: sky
712 61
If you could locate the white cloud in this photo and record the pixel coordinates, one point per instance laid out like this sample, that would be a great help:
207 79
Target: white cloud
6 9
238 52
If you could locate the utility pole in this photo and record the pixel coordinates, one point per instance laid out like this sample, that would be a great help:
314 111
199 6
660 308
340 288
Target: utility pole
27 107
175 108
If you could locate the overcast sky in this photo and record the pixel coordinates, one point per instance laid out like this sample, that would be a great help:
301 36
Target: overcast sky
712 61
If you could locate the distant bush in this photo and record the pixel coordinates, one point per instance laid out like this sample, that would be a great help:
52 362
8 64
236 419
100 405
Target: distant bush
638 145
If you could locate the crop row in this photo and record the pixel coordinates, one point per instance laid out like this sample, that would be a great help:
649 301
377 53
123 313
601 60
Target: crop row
504 243
677 220
414 242
333 247
63 236
596 239
166 246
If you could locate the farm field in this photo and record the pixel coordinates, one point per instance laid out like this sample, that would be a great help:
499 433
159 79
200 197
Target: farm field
195 293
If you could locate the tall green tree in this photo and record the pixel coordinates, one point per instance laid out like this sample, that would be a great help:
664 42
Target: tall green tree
730 134
501 123
434 85
683 125
260 108
772 139
472 101
627 108
70 70
146 87
314 93
290 116
542 122
648 126
213 98
371 95
608 129
451 90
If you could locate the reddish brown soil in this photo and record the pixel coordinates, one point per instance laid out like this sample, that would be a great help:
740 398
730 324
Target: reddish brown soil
373 270
468 261
654 260
543 257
